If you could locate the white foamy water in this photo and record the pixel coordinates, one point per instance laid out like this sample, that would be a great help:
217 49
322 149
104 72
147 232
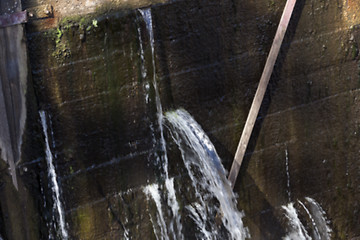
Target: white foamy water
313 216
297 230
316 233
172 202
319 217
55 186
208 180
152 191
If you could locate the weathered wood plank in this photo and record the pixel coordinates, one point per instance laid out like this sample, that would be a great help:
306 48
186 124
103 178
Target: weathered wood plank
260 92
13 81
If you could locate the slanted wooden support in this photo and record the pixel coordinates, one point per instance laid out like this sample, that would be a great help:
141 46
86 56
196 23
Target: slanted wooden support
260 92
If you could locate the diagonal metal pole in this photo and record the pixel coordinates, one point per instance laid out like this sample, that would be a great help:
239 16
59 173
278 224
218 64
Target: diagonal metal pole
260 92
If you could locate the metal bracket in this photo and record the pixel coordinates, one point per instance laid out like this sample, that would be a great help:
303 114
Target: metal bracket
31 14
13 19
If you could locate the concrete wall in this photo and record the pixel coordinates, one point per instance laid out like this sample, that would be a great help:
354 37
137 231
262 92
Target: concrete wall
212 55
86 72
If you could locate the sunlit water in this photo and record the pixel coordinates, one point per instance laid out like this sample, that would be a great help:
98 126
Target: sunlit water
57 206
208 180
214 210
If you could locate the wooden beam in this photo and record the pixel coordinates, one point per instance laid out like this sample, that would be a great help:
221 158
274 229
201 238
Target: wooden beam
13 81
260 92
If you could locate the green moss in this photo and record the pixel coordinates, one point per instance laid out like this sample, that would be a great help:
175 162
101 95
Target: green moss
61 49
271 4
59 34
354 51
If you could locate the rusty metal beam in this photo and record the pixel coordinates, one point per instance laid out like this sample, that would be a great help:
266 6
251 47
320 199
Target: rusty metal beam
260 92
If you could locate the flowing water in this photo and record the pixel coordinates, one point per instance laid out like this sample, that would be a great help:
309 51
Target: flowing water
212 207
319 217
287 174
306 221
146 14
214 210
296 230
162 157
153 192
57 206
213 192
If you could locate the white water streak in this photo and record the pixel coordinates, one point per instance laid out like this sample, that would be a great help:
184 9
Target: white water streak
146 14
319 217
287 174
315 229
208 177
172 202
52 174
297 229
153 192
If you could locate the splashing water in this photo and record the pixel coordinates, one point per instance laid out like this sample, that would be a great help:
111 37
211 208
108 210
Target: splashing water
314 227
315 219
55 186
208 179
297 229
320 219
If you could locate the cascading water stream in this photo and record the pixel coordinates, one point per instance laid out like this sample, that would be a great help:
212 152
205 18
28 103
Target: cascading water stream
146 14
153 192
297 229
319 217
57 206
208 180
312 215
314 227
163 158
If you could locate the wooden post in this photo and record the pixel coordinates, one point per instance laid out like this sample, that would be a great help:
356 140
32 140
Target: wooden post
260 92
13 82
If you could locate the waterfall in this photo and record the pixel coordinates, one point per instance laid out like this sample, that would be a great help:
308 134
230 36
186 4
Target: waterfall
312 215
163 158
208 180
146 14
57 206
